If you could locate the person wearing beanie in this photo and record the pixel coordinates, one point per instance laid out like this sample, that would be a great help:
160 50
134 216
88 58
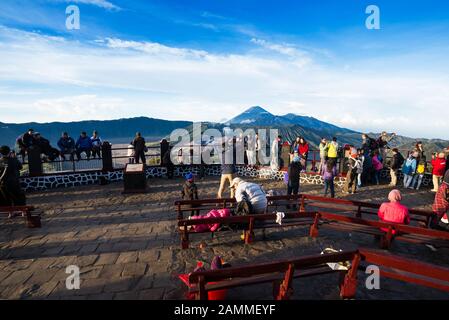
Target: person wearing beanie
441 205
438 169
190 191
393 211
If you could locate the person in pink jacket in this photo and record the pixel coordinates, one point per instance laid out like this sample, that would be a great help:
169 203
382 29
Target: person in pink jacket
394 211
221 213
377 166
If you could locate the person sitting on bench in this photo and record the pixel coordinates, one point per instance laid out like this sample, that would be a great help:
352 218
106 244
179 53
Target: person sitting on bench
394 211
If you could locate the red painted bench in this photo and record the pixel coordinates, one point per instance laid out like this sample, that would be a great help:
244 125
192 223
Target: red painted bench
282 273
32 217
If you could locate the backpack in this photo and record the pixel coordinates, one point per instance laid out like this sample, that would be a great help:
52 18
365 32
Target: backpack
407 168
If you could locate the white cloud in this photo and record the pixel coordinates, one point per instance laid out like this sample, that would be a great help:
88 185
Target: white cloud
99 3
114 78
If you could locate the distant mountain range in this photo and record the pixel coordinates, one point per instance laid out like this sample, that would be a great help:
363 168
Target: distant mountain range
290 126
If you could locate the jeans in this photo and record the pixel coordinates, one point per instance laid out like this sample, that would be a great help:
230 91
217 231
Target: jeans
329 184
418 178
359 180
407 180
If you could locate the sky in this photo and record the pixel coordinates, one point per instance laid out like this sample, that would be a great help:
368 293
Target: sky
210 60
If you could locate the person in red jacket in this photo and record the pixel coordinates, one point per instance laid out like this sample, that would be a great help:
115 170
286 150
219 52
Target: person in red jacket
394 211
303 150
438 170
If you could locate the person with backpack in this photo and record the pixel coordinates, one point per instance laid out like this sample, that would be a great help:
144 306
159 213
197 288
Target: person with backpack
438 170
421 165
441 205
294 173
395 164
329 172
408 169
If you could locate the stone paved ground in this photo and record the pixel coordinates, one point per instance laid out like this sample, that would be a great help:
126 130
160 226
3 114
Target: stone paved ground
127 247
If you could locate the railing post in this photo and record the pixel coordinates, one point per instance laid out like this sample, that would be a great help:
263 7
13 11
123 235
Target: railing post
106 152
35 162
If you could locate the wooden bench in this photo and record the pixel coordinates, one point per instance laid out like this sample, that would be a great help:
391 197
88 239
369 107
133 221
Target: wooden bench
32 216
403 232
282 273
246 223
358 208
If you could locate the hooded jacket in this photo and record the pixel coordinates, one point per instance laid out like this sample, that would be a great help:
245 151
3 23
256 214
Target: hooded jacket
253 193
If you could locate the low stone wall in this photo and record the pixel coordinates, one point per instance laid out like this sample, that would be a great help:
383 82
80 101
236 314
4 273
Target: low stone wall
93 177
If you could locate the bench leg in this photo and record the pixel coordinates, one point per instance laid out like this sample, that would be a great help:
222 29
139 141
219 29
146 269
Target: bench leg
313 233
285 289
386 239
185 239
348 287
249 234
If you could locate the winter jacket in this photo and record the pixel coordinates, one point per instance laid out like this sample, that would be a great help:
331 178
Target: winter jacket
221 213
294 171
328 175
323 150
254 194
409 166
26 140
66 144
84 143
139 144
332 151
189 191
441 202
397 161
359 164
377 164
303 149
96 142
439 166
393 212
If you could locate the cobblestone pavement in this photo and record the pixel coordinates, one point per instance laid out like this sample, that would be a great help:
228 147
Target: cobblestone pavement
127 247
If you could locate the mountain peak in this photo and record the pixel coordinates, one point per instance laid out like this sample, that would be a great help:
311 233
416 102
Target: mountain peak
256 110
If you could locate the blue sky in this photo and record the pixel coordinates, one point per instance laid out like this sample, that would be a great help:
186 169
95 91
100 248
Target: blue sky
210 60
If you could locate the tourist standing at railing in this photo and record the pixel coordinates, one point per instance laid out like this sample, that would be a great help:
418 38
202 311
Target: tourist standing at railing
11 193
96 145
295 146
83 144
332 151
420 167
24 142
168 164
441 205
66 145
324 146
351 175
382 142
395 164
360 167
303 151
394 211
329 172
438 170
227 171
251 150
294 176
408 169
140 148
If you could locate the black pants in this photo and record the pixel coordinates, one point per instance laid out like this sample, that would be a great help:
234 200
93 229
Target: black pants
292 190
12 195
95 152
140 154
170 171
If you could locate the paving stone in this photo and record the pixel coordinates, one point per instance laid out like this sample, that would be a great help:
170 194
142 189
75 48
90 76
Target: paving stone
121 284
107 258
152 294
127 257
113 271
18 277
134 269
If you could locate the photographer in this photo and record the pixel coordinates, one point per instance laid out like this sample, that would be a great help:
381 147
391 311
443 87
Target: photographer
11 193
382 142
